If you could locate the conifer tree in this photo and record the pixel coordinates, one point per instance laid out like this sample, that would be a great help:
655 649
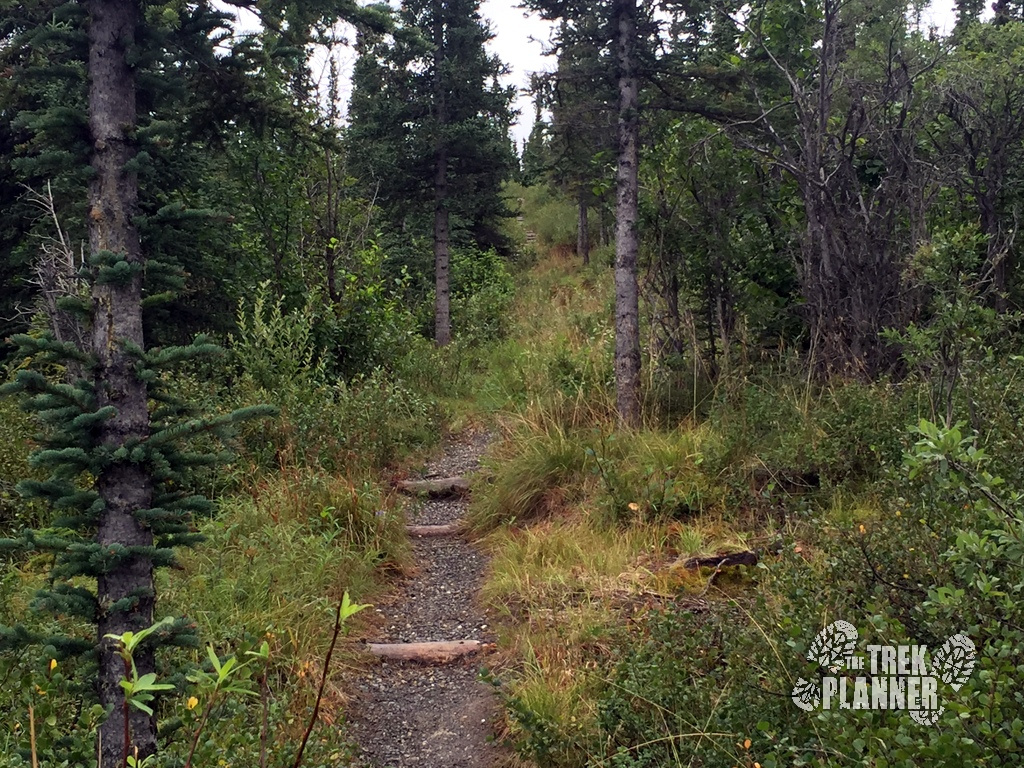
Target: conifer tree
616 25
429 128
113 439
583 110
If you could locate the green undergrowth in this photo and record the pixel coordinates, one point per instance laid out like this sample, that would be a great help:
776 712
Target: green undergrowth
304 514
860 505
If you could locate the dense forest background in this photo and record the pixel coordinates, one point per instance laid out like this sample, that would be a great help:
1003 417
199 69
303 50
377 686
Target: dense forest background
752 285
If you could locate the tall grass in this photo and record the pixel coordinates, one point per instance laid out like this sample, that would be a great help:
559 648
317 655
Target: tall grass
277 561
590 525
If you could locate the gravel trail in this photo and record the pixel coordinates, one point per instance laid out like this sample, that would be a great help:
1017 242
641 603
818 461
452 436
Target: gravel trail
436 716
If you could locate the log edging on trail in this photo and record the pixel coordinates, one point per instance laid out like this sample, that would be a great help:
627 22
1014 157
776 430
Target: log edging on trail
435 487
448 529
427 653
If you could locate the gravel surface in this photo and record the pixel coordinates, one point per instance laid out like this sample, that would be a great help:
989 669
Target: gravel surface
439 601
435 511
437 716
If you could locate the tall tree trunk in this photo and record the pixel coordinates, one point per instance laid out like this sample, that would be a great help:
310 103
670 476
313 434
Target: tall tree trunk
442 293
125 592
627 303
582 226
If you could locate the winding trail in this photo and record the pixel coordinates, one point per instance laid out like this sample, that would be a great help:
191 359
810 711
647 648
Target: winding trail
414 714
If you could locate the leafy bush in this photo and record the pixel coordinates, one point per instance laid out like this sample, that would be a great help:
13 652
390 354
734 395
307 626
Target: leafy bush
369 420
481 295
370 324
846 433
712 688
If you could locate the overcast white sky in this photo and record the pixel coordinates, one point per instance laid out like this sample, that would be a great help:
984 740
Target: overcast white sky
520 38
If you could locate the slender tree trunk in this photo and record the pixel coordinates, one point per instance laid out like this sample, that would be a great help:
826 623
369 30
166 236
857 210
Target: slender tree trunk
442 294
997 250
674 341
627 303
582 226
329 225
125 592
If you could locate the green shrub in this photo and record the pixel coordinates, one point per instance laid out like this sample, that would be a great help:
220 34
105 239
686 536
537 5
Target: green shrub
16 429
369 420
948 558
482 290
370 324
844 434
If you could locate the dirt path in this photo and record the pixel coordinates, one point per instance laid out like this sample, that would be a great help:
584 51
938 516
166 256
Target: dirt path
438 716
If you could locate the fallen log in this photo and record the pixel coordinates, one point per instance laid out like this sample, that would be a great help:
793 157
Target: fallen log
448 529
436 487
427 653
722 560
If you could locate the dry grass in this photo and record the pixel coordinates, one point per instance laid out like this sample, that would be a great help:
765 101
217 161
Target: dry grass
587 525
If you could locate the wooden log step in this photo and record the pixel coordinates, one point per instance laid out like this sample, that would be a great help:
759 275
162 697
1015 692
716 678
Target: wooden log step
448 529
722 560
436 487
427 653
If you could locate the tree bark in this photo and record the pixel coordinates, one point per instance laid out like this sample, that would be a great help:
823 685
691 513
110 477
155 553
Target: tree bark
126 592
582 226
627 303
442 295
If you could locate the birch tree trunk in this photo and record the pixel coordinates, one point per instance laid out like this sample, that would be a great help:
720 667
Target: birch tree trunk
627 309
442 291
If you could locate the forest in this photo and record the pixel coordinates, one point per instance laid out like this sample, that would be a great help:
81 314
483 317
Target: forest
673 421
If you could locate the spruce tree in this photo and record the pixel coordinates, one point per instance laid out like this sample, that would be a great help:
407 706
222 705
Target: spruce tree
616 25
114 439
583 111
536 159
429 129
